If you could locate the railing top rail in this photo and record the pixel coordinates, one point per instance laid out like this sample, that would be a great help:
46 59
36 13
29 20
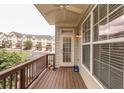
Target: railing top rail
14 69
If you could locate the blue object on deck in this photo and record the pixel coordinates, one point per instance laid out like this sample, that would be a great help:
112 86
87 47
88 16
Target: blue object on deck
76 68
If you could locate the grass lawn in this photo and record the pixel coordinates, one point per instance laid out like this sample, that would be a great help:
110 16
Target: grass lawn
23 55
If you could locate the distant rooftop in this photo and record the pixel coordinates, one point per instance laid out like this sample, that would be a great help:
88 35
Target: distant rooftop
20 35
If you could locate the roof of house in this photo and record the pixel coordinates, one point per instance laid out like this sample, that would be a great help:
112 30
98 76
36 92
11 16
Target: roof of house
1 32
2 35
20 35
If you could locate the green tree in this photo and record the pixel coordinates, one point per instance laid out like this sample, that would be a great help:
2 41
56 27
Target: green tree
8 59
27 44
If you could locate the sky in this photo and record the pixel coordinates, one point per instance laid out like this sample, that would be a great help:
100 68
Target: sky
24 19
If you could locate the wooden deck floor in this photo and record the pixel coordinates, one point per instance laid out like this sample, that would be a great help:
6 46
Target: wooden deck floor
62 78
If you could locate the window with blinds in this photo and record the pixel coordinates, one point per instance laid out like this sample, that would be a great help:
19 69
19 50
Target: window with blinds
103 30
86 30
116 23
113 7
95 33
108 57
86 56
95 15
102 11
116 65
96 60
110 23
108 62
100 26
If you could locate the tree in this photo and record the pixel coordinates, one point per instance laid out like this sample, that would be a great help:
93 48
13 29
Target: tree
27 44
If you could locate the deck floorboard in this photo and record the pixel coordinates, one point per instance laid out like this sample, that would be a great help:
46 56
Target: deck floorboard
62 78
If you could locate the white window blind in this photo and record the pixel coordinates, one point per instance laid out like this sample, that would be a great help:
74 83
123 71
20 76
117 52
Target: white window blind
108 64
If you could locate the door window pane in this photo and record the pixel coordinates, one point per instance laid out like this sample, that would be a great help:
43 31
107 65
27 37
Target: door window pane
66 49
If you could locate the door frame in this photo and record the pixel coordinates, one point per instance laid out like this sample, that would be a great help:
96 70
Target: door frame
62 64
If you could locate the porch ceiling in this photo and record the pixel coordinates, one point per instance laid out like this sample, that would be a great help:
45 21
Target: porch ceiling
63 14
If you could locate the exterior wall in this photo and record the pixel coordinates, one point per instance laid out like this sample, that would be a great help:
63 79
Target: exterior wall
53 44
57 47
76 50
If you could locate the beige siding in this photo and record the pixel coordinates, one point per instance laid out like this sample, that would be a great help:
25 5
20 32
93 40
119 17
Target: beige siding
57 47
76 50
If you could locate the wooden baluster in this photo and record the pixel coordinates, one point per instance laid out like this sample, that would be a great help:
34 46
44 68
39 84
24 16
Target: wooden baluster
47 60
53 60
22 78
10 81
29 73
32 72
16 79
4 83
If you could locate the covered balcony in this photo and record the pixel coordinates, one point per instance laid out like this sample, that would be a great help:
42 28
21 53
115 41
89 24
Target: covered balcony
86 35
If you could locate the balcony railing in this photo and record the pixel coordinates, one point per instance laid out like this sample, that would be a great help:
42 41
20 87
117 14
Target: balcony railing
22 76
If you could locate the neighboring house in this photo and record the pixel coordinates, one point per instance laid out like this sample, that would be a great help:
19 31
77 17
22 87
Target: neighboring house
3 40
15 39
51 43
39 42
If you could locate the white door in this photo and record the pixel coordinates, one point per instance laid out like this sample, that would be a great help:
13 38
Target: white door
67 51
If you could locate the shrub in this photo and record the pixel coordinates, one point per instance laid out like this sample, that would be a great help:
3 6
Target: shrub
8 59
